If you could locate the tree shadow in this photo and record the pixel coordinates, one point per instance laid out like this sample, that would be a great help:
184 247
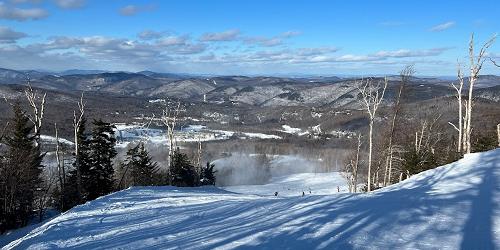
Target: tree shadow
451 207
478 230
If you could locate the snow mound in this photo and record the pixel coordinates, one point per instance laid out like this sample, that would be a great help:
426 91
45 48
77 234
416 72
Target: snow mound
451 207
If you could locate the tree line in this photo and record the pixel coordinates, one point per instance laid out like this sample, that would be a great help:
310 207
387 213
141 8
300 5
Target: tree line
85 174
404 145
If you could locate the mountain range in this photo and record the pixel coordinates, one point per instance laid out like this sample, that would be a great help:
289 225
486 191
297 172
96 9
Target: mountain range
257 90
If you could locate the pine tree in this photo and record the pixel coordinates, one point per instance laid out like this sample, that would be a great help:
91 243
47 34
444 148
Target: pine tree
415 161
102 151
19 172
75 195
183 172
142 170
208 175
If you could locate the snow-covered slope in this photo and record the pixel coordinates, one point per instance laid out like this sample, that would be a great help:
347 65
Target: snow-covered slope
451 207
294 184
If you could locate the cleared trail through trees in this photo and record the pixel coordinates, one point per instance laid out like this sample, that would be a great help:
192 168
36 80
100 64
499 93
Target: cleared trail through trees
451 207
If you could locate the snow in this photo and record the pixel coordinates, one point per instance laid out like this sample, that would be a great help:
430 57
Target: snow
247 134
126 133
194 128
456 206
12 235
52 139
290 130
295 184
157 100
261 136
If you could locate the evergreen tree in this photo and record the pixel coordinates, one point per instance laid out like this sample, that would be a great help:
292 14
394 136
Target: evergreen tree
484 142
19 173
142 170
183 172
102 151
73 195
208 175
415 162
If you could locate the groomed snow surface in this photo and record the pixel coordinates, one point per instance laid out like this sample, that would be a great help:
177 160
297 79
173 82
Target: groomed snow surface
450 207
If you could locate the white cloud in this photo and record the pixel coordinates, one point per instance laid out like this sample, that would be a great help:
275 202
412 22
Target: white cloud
19 14
132 10
207 57
357 58
443 26
129 10
173 40
291 33
8 35
70 4
411 53
228 35
271 41
149 35
157 50
100 48
264 41
316 51
25 1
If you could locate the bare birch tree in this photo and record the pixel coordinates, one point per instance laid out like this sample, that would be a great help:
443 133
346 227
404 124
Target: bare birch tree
458 88
498 125
494 62
77 121
498 134
198 158
406 75
372 95
169 118
476 63
38 109
44 191
351 167
61 171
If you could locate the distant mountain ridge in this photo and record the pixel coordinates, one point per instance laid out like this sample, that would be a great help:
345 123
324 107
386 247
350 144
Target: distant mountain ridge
257 90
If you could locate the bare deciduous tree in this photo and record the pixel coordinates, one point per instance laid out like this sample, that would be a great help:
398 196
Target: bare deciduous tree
372 95
498 125
61 171
498 134
351 167
169 118
476 63
494 62
38 109
77 121
44 193
459 87
406 75
198 157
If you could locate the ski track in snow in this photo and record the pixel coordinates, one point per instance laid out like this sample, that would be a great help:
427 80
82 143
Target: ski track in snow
450 207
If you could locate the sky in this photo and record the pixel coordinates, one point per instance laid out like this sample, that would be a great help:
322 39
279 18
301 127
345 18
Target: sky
259 37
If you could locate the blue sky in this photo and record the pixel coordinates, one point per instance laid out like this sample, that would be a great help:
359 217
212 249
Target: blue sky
245 37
